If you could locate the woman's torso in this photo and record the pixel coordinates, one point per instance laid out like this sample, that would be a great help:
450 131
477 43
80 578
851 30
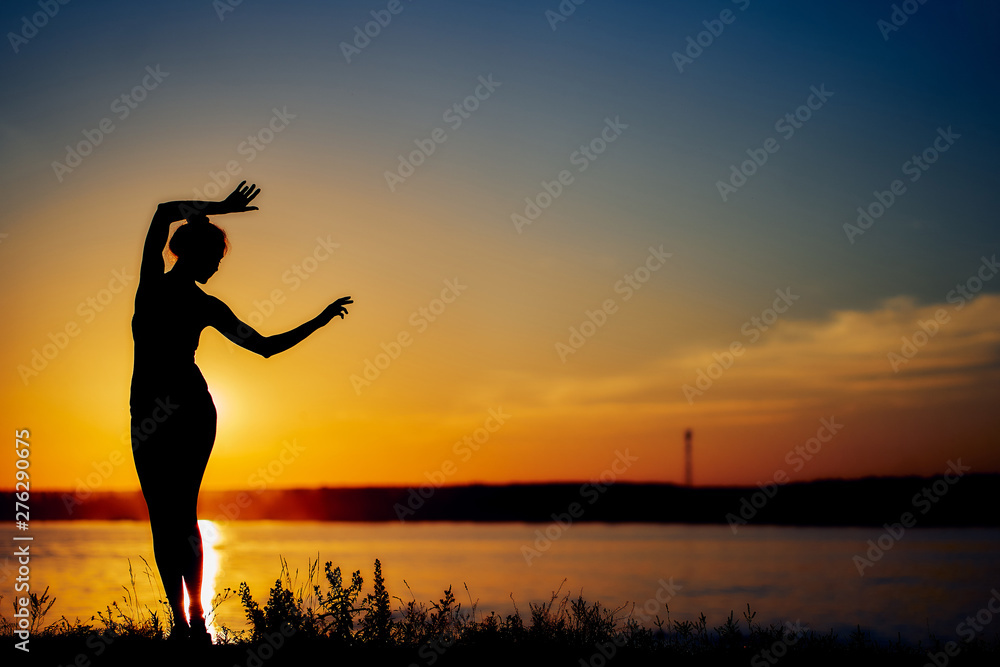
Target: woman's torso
166 326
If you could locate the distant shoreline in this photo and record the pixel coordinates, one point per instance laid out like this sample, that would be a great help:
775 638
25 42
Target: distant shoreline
966 500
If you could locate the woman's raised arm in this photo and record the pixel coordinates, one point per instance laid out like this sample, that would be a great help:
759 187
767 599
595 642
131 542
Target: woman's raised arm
169 212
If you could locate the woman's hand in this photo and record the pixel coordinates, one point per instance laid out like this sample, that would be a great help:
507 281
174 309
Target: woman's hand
238 199
334 309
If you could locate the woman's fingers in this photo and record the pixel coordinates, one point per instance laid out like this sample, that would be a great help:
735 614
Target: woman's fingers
338 306
245 191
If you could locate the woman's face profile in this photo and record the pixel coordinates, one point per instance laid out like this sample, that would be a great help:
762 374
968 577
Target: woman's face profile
199 247
203 265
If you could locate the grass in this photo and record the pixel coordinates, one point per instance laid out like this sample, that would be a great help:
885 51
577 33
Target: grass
326 619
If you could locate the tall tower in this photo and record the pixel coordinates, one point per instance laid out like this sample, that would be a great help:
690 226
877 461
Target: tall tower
687 458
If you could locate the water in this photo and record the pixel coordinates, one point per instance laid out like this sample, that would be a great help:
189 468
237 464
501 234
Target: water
927 582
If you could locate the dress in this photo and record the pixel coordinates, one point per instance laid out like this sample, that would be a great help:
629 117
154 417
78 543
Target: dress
173 417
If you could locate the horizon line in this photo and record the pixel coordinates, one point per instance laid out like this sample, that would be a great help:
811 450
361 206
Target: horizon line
678 485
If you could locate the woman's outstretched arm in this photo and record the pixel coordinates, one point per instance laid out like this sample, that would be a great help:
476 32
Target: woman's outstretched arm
169 212
246 337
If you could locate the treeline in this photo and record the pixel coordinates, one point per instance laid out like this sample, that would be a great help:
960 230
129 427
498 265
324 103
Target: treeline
957 500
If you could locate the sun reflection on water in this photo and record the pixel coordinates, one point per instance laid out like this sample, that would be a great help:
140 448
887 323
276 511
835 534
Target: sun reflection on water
211 539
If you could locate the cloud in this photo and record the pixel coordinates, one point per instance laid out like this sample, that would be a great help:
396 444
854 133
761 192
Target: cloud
795 366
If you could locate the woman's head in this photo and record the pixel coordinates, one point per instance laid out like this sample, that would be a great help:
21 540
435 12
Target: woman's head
199 247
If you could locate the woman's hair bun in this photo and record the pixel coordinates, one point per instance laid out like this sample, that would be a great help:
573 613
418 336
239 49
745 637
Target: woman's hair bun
198 236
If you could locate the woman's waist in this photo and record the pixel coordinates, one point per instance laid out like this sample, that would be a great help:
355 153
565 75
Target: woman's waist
148 398
159 377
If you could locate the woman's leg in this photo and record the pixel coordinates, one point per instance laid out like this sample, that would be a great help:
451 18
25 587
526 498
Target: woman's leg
171 463
169 558
192 564
177 544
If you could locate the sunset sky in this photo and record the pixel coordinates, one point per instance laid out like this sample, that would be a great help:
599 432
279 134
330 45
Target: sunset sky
283 95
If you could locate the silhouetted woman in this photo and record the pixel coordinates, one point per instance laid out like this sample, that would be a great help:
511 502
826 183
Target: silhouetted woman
173 416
